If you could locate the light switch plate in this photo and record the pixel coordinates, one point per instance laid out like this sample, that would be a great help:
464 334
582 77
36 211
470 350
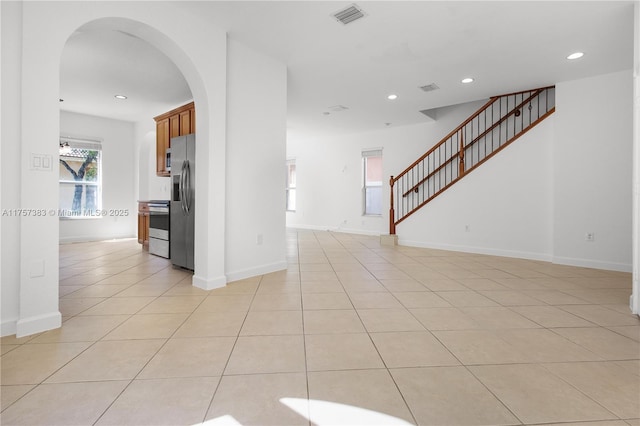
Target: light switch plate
42 162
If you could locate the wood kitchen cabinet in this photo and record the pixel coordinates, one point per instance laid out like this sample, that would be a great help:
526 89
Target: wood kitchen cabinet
162 144
177 122
143 224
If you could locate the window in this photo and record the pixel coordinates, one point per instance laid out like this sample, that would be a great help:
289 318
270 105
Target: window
80 178
372 178
291 185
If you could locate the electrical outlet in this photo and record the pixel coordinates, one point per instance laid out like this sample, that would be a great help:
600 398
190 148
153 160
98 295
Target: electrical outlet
467 228
589 236
259 239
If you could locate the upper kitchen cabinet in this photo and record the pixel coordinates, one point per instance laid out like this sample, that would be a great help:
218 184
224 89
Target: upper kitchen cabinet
178 122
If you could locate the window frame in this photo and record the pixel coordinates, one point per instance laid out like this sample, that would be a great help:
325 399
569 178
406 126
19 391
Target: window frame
89 145
289 186
366 154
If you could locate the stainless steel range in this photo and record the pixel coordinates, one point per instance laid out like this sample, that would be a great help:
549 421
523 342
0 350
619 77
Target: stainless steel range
159 228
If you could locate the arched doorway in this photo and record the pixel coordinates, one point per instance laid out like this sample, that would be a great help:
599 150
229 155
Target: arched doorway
36 285
111 85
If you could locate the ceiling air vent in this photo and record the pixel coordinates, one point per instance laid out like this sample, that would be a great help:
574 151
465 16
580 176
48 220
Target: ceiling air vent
429 87
348 15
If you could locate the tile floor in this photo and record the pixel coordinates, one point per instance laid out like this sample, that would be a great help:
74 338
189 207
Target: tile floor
352 333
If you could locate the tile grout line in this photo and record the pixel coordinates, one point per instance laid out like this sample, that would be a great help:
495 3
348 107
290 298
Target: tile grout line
150 358
386 368
304 336
235 342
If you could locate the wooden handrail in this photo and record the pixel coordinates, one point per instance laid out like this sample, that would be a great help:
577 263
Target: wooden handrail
525 91
430 175
464 123
513 111
441 190
443 140
455 140
422 204
464 147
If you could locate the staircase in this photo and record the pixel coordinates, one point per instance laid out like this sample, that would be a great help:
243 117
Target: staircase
493 127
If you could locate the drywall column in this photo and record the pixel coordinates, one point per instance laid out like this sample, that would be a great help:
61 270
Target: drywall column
256 93
635 296
39 175
11 70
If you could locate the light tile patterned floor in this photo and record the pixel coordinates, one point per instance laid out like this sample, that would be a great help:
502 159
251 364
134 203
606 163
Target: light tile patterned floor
352 333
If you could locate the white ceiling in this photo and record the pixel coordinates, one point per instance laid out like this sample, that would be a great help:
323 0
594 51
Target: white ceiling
397 47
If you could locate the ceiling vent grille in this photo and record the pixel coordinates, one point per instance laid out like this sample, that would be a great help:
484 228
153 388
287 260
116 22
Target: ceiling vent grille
348 15
429 87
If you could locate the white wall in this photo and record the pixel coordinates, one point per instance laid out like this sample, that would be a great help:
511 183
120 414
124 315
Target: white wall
505 204
256 137
635 299
10 192
593 171
118 178
329 170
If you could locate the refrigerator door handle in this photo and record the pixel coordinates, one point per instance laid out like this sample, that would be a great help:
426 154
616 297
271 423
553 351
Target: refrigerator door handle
187 179
183 204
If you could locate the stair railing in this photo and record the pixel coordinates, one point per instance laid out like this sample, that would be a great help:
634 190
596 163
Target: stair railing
498 123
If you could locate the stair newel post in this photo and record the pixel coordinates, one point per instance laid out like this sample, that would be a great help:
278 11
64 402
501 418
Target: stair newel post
461 154
392 212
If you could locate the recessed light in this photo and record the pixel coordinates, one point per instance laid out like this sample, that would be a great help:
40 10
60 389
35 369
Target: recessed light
120 97
467 80
392 97
575 55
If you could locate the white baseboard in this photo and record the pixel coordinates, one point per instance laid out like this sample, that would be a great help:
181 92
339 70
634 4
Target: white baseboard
8 327
311 227
336 229
595 264
38 324
584 263
209 284
477 250
94 238
259 270
357 231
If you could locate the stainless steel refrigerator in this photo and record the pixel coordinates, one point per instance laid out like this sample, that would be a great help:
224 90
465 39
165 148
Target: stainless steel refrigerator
181 230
